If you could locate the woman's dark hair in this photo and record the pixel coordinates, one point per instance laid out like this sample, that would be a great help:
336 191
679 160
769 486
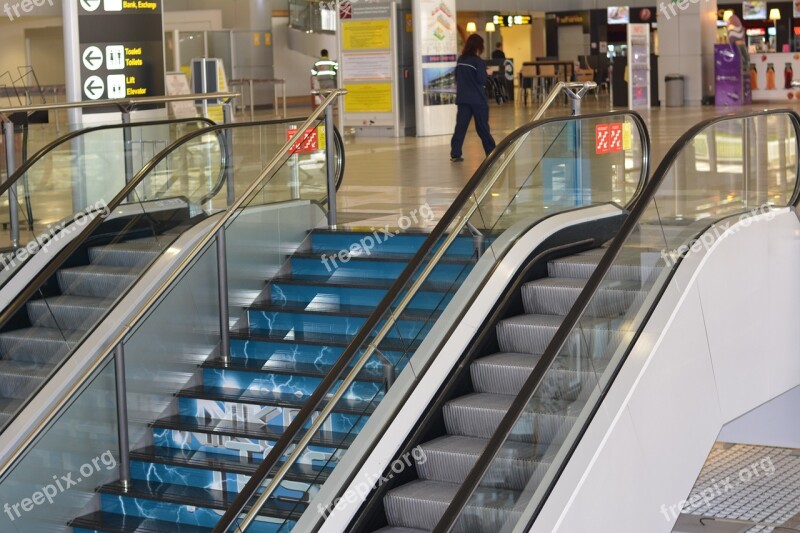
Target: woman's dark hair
473 46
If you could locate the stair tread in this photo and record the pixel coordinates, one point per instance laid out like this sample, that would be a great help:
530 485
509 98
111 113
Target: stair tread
502 402
318 339
117 523
441 492
105 270
389 257
197 496
580 283
92 302
247 429
279 399
41 333
337 309
270 366
225 462
431 286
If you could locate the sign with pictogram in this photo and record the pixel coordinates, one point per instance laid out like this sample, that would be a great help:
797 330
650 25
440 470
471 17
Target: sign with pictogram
610 138
308 143
601 139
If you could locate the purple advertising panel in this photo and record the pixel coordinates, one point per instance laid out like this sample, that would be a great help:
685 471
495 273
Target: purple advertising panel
732 83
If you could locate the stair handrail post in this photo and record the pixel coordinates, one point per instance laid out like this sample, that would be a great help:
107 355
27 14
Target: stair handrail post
329 166
122 417
227 151
11 167
222 286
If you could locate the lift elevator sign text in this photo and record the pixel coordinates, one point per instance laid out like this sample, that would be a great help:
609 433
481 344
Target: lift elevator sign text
614 137
122 49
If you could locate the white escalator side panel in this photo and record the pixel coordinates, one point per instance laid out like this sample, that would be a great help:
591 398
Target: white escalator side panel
722 340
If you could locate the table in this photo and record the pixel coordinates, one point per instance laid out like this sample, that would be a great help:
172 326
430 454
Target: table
250 82
556 63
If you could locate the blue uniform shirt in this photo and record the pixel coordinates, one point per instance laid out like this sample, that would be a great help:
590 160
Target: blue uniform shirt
471 81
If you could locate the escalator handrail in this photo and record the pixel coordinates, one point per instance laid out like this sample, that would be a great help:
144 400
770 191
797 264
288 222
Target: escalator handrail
570 322
334 375
75 385
42 152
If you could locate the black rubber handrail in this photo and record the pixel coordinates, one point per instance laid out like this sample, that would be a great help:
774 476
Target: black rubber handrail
311 405
570 322
33 287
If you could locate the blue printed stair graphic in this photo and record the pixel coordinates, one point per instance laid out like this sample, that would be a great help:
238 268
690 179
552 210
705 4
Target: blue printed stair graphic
197 460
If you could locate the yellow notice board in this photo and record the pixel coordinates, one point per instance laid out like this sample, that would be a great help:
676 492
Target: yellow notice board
366 34
368 98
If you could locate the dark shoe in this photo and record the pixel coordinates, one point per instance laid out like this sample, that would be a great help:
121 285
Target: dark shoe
456 159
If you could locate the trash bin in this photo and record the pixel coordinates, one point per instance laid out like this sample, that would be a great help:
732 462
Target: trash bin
674 84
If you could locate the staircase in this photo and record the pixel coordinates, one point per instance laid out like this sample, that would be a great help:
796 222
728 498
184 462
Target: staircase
496 378
199 458
78 297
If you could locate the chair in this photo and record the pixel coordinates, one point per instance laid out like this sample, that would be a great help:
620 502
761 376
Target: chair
527 77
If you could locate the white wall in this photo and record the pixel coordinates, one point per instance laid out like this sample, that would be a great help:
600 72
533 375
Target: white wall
295 54
721 342
12 43
766 425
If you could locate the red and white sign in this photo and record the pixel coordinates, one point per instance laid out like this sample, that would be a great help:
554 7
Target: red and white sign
601 138
308 143
608 138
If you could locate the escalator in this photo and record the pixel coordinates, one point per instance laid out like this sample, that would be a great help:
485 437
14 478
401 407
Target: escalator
251 338
524 431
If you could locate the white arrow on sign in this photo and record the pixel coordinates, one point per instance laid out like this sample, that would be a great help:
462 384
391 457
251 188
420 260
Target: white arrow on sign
92 58
90 5
94 87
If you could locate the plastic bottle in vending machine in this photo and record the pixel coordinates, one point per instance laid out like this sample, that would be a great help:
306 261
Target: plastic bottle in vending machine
788 76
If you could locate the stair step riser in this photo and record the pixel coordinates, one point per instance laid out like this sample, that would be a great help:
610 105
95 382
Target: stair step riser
205 478
122 258
33 350
455 468
371 270
175 513
544 300
402 243
532 427
533 338
225 444
64 317
300 353
281 294
98 286
264 383
267 322
276 418
557 384
618 272
424 515
18 385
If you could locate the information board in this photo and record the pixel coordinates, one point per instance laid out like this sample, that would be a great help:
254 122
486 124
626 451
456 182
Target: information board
121 49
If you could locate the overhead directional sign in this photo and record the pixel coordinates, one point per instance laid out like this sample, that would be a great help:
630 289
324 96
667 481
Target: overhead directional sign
94 87
92 58
122 48
90 5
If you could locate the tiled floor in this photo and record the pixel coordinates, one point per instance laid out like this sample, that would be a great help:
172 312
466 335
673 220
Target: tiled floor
745 488
388 177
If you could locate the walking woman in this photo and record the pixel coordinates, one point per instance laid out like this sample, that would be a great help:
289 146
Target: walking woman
471 98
